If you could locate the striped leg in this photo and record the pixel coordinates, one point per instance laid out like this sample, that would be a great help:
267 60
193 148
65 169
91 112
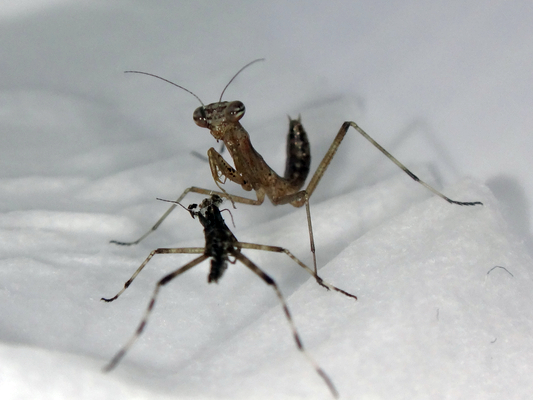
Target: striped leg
269 281
277 249
140 329
187 250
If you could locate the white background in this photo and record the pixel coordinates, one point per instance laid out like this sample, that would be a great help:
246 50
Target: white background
85 150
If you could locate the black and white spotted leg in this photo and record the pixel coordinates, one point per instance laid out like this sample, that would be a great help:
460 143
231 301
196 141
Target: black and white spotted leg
162 281
187 250
276 249
269 281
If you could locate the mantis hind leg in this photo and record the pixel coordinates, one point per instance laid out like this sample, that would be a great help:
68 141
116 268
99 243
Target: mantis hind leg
321 169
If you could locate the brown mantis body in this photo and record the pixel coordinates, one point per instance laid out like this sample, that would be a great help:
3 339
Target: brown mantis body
253 173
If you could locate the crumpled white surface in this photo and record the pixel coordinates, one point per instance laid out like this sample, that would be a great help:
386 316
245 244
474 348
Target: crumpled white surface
430 320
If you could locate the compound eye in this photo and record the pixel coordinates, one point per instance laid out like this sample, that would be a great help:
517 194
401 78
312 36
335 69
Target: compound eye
199 117
235 111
